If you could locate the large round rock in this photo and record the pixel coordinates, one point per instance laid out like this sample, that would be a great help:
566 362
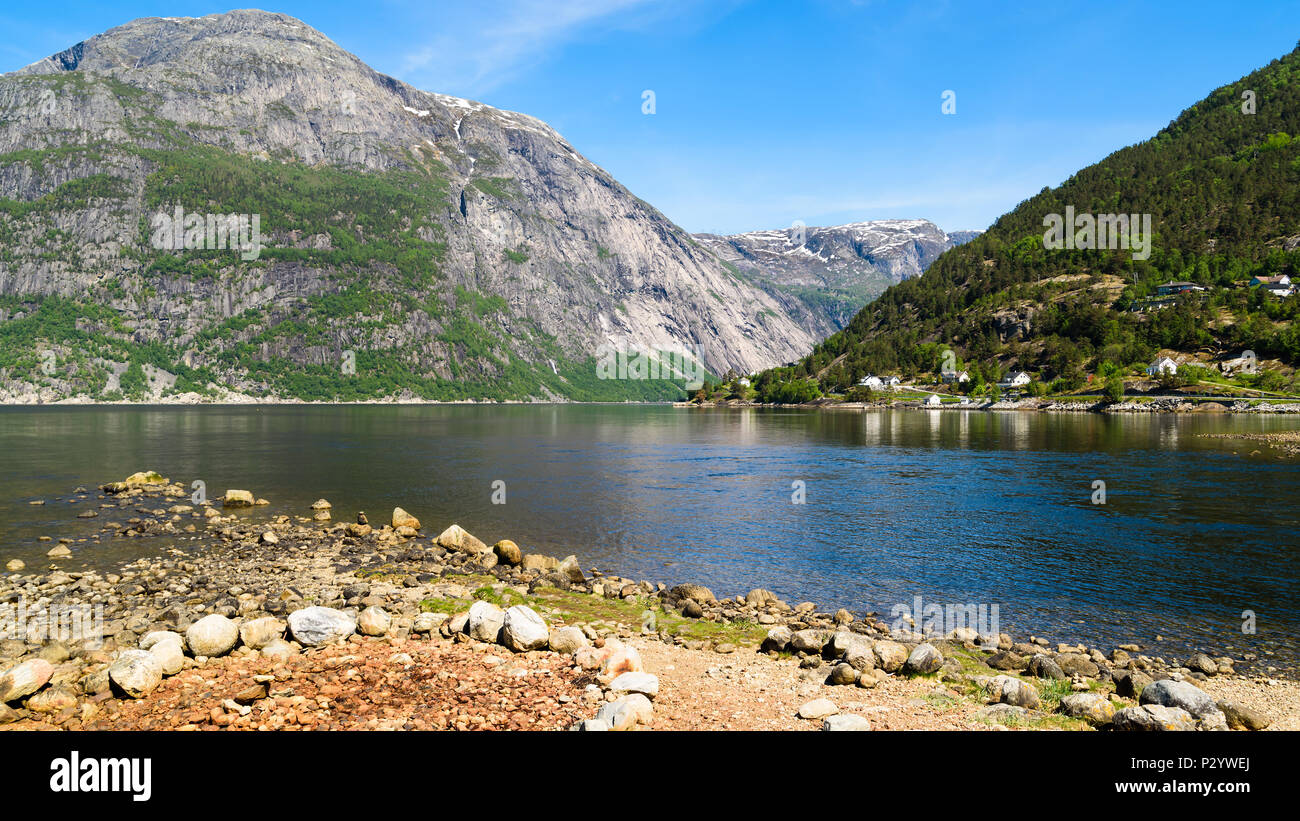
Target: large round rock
485 620
213 635
312 626
137 673
168 648
568 640
890 655
925 659
522 630
374 621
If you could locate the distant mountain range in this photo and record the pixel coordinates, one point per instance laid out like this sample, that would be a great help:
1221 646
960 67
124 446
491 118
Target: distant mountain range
834 271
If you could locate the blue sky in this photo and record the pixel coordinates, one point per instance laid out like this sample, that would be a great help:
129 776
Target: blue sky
824 111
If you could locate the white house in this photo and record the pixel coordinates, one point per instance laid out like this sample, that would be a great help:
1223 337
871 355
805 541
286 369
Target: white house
933 400
959 377
1014 380
873 382
1162 365
892 382
1280 279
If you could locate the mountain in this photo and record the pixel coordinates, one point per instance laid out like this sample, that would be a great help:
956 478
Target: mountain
412 244
833 271
1219 188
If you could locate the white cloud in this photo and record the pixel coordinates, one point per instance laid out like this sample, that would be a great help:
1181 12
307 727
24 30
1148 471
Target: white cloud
495 42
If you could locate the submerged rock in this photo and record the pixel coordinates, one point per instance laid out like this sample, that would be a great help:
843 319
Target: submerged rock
238 498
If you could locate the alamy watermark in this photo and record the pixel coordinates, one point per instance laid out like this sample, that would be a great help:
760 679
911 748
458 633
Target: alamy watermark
932 619
180 231
620 361
1094 232
59 622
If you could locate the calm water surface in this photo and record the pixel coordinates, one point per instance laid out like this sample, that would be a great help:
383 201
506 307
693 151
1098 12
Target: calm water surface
956 507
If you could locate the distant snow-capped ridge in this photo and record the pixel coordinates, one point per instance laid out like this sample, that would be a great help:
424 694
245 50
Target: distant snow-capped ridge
833 271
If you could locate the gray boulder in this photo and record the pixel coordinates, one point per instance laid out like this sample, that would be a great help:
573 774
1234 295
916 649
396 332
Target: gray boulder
1241 717
168 648
1153 718
809 641
1041 666
1007 660
1013 691
374 621
627 712
846 722
22 680
1169 693
313 626
485 621
258 633
924 660
890 655
647 684
523 630
777 640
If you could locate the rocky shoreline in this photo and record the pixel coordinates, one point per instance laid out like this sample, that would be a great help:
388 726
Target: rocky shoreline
241 627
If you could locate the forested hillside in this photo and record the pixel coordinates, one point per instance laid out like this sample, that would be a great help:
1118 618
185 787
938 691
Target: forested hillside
1222 186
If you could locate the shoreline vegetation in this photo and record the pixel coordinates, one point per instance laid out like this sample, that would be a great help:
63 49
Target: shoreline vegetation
269 621
1163 404
1153 404
1167 394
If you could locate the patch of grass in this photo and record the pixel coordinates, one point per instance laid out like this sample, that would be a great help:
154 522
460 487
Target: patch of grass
503 188
1038 722
1051 691
571 607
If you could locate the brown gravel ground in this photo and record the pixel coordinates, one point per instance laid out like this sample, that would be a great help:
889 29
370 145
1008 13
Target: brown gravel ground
703 690
361 685
367 684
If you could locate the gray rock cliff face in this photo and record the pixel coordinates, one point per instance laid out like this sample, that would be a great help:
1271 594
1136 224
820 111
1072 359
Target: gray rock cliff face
541 250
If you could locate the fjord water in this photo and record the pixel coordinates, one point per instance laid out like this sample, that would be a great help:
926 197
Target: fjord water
956 507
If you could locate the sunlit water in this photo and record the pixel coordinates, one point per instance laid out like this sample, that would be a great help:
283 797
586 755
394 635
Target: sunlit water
956 507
